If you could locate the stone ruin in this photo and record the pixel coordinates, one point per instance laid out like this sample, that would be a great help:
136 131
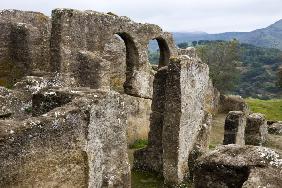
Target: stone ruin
78 89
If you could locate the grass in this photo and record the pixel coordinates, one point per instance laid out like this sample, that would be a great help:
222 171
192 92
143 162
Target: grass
139 144
145 180
271 108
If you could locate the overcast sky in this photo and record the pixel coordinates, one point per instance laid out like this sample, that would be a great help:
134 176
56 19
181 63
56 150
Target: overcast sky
212 16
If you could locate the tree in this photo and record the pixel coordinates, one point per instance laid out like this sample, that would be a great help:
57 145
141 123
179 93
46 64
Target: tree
194 43
222 58
183 45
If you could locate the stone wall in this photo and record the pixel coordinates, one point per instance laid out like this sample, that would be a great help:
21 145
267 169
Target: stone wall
91 31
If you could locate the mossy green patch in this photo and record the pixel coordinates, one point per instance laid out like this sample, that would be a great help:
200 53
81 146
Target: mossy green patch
138 144
141 179
272 109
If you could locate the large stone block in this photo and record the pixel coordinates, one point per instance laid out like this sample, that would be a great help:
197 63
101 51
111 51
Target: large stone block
186 84
107 133
234 128
82 144
239 166
31 33
45 152
256 130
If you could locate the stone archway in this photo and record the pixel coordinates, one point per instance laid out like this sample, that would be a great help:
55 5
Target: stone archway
164 52
132 60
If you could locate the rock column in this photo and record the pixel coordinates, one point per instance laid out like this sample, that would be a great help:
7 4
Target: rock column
234 128
186 83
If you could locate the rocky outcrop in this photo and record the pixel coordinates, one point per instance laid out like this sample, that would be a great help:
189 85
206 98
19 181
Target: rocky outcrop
239 166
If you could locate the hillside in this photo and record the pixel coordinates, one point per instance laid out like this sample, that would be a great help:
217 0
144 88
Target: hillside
270 37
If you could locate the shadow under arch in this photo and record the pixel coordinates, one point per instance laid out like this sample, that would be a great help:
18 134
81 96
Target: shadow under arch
132 59
164 52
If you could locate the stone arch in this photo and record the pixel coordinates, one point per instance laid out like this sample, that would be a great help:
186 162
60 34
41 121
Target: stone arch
132 59
164 52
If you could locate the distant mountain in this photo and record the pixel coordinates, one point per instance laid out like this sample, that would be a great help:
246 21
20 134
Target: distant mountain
270 37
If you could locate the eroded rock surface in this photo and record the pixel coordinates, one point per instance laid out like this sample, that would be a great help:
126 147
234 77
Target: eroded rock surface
239 166
256 129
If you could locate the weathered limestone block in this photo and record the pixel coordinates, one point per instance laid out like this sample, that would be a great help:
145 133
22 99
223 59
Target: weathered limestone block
275 128
92 71
82 144
14 104
233 103
151 157
239 166
234 128
186 84
107 133
202 143
45 152
256 130
38 29
91 31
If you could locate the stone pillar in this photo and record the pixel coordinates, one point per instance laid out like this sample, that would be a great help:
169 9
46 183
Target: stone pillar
186 84
107 133
256 129
234 128
150 158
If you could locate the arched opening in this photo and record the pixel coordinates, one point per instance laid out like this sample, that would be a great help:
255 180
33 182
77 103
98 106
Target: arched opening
132 59
158 52
122 53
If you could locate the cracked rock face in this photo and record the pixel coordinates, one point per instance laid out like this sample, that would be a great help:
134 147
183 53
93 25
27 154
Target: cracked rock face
236 166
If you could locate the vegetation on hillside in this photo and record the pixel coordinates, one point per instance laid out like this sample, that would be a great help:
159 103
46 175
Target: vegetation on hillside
222 58
258 67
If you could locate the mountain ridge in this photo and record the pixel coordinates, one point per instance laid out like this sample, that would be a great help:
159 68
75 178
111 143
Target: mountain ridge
270 37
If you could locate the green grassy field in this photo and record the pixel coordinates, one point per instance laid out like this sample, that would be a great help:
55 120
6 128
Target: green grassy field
271 108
